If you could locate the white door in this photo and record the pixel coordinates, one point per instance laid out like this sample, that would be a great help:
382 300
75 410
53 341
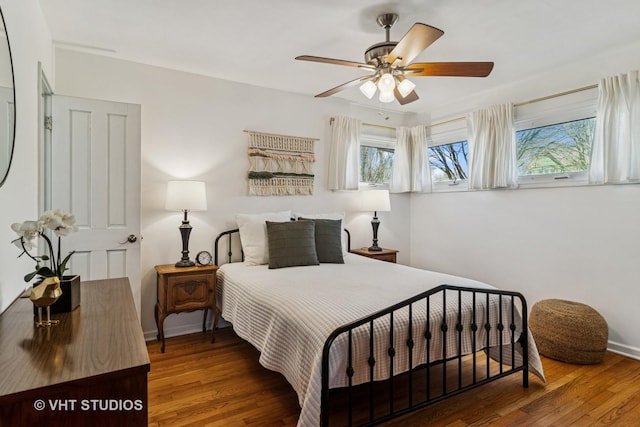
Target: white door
95 174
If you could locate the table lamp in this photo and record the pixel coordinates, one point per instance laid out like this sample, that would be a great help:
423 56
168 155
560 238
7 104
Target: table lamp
186 196
376 201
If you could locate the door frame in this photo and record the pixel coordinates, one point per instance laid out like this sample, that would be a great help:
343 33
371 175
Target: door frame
44 141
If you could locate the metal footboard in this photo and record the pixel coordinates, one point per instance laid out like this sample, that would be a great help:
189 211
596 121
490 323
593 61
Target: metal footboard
493 332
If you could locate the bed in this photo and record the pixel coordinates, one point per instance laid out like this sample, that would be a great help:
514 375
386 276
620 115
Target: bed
355 327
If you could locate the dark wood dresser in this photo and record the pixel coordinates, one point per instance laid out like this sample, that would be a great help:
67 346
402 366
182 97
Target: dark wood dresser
90 369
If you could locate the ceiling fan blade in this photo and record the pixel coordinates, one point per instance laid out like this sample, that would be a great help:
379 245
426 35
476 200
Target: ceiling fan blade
449 69
343 86
412 96
417 39
335 61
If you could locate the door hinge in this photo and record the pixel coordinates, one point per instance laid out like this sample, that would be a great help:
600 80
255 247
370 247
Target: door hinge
48 123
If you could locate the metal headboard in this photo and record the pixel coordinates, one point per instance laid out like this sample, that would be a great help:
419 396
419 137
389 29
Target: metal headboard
230 233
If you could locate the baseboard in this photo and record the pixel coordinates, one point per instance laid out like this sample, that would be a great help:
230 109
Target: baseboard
183 330
624 350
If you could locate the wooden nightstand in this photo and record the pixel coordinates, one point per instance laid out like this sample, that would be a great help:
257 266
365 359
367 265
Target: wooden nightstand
388 255
185 289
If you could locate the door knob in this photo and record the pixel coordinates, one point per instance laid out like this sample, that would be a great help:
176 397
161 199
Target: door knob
131 238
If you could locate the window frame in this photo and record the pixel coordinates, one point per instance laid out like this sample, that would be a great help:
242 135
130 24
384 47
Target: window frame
376 137
551 111
446 133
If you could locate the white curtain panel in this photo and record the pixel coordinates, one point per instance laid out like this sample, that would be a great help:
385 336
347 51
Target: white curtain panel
401 174
411 171
615 153
492 148
421 170
343 154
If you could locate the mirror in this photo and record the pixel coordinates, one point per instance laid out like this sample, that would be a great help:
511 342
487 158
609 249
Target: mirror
7 104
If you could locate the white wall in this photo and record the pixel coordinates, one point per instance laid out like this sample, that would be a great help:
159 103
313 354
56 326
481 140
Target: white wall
546 243
576 243
192 128
30 42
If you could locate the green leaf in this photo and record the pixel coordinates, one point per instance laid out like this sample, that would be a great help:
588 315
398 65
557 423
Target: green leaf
63 264
45 272
30 276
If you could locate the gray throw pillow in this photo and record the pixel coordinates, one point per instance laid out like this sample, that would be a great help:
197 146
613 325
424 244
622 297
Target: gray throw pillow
291 243
328 240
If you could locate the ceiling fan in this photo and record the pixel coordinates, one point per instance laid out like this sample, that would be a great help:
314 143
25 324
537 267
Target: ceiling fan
390 64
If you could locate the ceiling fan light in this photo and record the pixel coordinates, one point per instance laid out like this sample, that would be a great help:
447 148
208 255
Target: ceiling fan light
405 87
368 88
386 96
386 83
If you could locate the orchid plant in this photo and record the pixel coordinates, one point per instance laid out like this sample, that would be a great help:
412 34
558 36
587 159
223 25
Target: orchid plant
62 224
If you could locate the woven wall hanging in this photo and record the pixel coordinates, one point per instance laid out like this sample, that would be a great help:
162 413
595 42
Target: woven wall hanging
280 165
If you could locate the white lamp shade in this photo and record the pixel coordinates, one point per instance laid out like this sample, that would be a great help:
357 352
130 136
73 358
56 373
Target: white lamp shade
186 196
386 96
368 88
405 87
375 200
386 83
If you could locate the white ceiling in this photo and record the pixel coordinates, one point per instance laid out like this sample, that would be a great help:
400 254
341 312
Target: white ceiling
255 41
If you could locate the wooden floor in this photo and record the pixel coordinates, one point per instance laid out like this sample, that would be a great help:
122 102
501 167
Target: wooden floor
196 383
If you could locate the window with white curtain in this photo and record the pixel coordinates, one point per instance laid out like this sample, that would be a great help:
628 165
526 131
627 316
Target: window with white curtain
554 138
377 148
553 145
448 155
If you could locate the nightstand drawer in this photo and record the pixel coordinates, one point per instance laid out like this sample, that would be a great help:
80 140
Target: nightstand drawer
192 291
388 255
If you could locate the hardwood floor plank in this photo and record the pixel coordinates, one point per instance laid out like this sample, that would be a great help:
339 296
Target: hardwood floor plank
196 383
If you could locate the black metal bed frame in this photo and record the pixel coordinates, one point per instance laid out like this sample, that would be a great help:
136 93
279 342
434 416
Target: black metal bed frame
504 324
443 328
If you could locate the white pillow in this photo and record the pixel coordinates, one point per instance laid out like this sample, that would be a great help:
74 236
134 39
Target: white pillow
253 234
331 215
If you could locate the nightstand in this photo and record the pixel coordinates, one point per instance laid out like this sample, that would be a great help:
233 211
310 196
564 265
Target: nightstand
388 255
185 289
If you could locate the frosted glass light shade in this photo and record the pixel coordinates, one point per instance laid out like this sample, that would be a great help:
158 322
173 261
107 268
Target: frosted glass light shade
405 87
375 201
186 196
386 83
386 96
368 88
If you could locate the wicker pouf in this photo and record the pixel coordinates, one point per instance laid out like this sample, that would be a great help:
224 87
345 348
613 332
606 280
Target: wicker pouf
569 331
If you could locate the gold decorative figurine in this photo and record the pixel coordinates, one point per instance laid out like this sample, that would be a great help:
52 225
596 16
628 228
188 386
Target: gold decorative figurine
44 295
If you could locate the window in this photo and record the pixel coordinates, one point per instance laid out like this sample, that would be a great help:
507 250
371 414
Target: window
553 139
449 162
375 164
555 149
377 147
448 153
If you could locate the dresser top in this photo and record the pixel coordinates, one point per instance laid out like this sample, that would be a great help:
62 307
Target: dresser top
103 335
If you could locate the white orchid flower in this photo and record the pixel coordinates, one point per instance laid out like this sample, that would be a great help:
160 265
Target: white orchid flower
68 219
29 230
23 245
62 224
50 220
65 230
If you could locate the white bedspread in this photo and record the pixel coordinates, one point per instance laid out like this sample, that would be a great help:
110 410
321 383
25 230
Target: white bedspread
288 313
